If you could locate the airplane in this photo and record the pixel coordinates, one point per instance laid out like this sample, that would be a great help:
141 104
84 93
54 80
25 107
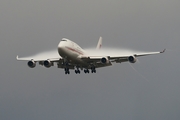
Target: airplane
72 56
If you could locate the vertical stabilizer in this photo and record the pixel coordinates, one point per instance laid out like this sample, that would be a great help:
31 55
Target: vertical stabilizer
99 45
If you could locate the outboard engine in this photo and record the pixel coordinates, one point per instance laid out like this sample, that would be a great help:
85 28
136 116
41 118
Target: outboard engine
132 59
104 60
47 64
31 64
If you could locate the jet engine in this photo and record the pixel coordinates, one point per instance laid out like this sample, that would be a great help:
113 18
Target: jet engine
31 64
104 60
47 63
132 59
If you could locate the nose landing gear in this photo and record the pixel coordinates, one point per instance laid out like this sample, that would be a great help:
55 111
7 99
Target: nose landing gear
66 70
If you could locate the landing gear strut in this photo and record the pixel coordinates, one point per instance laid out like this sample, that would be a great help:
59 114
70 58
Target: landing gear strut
66 70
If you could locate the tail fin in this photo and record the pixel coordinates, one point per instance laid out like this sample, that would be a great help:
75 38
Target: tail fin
99 45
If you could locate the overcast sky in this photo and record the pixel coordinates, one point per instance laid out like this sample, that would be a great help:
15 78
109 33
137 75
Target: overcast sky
119 92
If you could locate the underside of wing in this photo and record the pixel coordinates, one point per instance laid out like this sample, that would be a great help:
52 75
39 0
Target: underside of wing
148 53
97 61
107 60
37 59
42 61
133 57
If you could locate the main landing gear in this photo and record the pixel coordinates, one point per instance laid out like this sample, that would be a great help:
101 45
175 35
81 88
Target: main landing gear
93 70
86 71
77 71
66 70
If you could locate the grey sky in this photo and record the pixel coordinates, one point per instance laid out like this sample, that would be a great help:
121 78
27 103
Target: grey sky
117 92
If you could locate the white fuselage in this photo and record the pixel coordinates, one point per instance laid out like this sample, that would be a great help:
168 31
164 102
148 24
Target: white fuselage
70 51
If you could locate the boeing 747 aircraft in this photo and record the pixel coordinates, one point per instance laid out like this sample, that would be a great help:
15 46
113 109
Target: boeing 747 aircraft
72 56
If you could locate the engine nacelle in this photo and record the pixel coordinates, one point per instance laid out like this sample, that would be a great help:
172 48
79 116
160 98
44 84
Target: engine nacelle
47 63
104 60
132 59
31 64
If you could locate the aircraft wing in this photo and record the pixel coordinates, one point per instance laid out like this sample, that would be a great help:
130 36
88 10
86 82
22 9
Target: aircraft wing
125 58
148 53
38 59
47 62
102 61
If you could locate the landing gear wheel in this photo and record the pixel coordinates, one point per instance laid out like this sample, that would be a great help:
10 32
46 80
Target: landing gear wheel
66 70
77 71
86 71
93 70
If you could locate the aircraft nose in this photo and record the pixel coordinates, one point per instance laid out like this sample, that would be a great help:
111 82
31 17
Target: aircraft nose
61 47
60 44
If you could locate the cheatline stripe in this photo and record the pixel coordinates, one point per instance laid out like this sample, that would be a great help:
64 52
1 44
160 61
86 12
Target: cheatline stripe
74 50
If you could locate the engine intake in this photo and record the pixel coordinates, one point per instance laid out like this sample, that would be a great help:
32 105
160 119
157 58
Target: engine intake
132 59
47 64
31 64
104 60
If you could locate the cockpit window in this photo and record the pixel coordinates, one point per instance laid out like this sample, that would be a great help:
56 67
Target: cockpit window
64 39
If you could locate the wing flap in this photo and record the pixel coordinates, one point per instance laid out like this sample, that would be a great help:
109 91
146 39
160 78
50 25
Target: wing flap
96 61
91 58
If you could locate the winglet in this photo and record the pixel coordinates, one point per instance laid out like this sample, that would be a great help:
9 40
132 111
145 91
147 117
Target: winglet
17 57
99 45
163 51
